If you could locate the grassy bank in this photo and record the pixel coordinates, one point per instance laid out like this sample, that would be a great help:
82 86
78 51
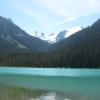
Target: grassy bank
8 93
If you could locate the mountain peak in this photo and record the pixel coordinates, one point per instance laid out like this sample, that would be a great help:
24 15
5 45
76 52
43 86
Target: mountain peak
61 35
55 37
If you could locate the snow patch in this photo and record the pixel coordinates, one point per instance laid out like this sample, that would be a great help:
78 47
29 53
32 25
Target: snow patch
52 38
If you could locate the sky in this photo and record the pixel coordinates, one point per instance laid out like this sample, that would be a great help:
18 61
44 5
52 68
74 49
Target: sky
50 16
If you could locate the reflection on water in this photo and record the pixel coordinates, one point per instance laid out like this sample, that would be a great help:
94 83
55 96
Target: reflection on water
50 96
7 93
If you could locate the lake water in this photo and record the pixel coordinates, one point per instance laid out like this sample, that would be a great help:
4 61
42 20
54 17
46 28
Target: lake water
49 84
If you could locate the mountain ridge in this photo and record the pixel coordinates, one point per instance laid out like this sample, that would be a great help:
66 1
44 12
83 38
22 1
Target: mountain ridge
14 36
80 50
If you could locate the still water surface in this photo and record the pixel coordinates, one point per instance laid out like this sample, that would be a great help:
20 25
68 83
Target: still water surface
50 84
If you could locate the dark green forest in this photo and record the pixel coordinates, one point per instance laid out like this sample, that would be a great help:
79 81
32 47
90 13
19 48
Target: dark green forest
68 58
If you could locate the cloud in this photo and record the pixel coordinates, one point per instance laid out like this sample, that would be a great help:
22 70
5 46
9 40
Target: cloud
68 8
42 18
25 9
71 9
54 13
64 21
94 3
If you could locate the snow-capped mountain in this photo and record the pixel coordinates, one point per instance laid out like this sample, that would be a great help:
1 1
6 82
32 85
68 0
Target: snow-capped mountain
55 37
61 35
50 38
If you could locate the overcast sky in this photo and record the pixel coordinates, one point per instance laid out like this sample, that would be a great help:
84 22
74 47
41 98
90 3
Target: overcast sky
50 16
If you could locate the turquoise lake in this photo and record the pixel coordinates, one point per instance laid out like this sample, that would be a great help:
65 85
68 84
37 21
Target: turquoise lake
65 84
